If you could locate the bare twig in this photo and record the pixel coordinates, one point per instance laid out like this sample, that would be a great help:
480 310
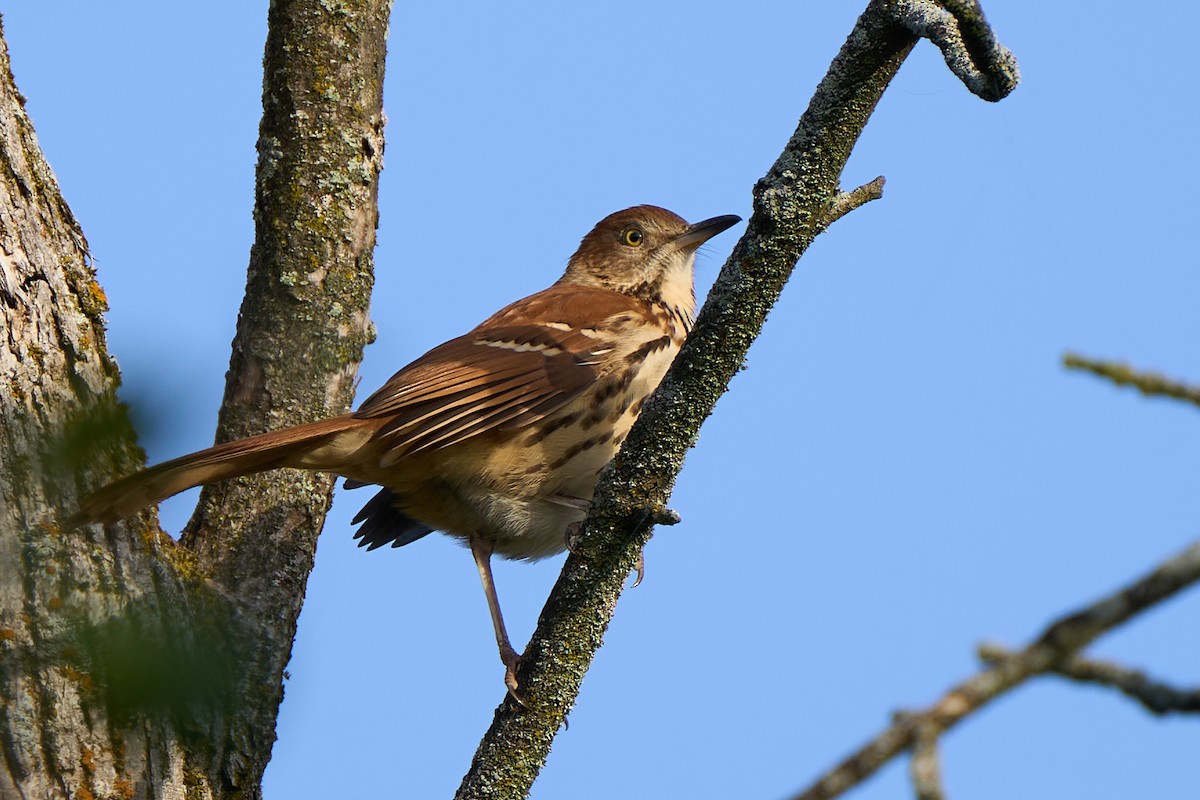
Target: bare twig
845 202
1148 383
961 32
925 768
1057 644
1157 697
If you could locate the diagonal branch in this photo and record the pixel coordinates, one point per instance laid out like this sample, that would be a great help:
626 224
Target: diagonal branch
792 204
1148 383
1057 644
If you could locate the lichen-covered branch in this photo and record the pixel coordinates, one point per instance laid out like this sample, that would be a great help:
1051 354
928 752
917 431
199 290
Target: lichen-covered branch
302 327
967 42
1148 383
1057 645
792 204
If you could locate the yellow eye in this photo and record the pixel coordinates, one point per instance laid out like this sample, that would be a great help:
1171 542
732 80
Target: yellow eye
633 237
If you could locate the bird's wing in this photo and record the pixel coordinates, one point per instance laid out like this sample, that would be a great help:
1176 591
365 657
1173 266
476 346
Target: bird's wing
524 363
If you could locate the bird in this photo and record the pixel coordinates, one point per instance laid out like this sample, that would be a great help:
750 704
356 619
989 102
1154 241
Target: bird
496 437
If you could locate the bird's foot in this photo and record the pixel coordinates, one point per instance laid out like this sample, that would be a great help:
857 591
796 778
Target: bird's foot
663 516
571 535
512 660
639 566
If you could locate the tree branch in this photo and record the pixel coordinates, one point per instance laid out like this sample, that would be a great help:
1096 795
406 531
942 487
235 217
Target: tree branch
845 202
967 42
301 330
1157 697
925 768
1148 383
792 204
1057 644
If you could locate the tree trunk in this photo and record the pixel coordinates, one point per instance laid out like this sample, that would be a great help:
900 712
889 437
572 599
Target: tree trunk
132 665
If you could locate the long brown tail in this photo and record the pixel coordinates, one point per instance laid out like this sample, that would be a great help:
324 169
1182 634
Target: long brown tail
287 447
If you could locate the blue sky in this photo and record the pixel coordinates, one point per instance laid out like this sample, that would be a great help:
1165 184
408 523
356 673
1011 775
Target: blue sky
903 470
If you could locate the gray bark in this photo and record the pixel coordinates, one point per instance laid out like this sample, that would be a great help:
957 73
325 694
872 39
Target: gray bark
132 665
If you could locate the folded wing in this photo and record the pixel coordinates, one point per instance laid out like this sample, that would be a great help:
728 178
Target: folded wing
522 365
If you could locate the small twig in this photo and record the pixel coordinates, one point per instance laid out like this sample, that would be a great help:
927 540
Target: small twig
1148 383
1057 644
961 32
925 766
1157 697
845 202
666 517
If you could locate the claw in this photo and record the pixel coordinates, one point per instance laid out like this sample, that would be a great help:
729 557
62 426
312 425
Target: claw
664 516
571 535
512 659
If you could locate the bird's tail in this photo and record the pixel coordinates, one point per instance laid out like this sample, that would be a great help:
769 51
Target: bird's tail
312 446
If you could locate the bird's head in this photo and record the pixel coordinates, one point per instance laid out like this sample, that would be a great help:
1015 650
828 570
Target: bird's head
646 252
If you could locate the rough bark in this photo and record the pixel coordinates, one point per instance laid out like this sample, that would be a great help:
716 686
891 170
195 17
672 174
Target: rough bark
797 199
130 665
63 729
302 326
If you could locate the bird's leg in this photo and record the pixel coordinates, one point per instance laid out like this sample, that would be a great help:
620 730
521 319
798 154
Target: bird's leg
569 501
482 551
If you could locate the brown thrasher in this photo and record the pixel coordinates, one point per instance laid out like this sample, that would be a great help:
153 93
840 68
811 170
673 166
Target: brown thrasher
496 437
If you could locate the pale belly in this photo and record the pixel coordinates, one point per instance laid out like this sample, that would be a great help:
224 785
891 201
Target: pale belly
521 489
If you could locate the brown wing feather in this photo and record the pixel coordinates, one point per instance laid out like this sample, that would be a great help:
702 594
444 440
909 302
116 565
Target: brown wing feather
511 371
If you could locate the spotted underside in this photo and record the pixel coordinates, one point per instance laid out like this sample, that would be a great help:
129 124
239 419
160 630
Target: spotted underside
541 369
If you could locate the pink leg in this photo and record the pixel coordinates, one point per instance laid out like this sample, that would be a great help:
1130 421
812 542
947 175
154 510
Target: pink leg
482 551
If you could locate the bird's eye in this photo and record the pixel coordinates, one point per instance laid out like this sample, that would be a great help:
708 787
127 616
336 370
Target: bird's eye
633 237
